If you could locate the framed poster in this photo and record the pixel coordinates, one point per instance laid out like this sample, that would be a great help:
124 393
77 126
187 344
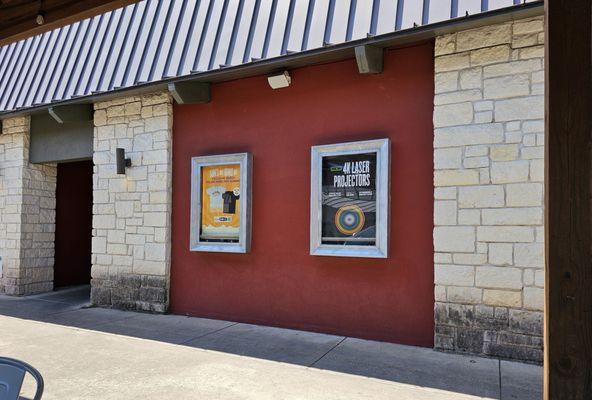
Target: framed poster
221 203
349 209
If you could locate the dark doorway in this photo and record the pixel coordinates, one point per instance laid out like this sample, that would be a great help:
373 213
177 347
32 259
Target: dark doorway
73 223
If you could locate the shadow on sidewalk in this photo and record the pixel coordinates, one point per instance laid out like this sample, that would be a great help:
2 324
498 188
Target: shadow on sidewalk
477 376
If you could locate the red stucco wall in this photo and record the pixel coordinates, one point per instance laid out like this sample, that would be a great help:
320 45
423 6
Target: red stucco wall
279 283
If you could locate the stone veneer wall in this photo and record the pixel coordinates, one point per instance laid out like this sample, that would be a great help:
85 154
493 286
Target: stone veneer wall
132 212
488 214
27 214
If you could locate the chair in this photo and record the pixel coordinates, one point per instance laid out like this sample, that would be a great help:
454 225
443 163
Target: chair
12 374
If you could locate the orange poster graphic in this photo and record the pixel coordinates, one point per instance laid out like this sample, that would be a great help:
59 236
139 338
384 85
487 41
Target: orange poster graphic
220 206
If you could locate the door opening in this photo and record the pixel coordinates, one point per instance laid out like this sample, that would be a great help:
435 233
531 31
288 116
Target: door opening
73 224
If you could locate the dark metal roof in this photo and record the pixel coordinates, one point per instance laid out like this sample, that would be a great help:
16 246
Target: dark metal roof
155 40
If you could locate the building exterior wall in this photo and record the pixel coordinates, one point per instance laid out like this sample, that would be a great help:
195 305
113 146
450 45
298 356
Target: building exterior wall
27 213
488 178
279 283
132 212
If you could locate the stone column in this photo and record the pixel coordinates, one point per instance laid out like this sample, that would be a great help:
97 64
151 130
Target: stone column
27 213
488 212
132 212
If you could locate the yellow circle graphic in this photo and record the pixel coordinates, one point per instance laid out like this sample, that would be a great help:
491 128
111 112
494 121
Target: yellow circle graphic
349 219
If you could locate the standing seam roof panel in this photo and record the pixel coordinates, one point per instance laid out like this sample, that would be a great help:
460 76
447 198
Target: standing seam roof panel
156 39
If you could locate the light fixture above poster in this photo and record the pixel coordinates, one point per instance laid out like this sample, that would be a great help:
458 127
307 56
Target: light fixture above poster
221 203
349 206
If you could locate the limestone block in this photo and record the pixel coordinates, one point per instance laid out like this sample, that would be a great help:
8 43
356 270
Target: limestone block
476 151
116 236
529 153
522 27
528 277
456 177
476 162
528 40
442 258
490 55
155 251
440 293
481 196
512 68
445 193
537 170
486 36
524 194
484 117
464 295
512 216
452 62
445 212
159 219
469 217
507 86
539 278
502 298
155 157
501 253
454 239
507 152
498 277
468 135
156 123
445 44
505 234
530 255
454 275
453 114
446 82
149 267
469 258
103 221
509 171
448 158
531 107
458 96
484 105
534 298
532 52
471 79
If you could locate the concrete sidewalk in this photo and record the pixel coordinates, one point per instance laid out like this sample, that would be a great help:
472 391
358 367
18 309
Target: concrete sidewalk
92 353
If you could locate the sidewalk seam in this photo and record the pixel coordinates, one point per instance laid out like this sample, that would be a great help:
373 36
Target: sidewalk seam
206 334
327 352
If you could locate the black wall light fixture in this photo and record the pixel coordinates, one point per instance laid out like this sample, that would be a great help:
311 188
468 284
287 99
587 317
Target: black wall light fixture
122 162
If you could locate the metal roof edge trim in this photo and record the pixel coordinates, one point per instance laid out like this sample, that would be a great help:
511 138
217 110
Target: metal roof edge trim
316 56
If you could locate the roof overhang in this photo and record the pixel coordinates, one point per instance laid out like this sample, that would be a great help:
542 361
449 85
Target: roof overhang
20 19
322 55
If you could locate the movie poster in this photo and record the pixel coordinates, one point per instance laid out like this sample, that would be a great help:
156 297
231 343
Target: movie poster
220 206
349 199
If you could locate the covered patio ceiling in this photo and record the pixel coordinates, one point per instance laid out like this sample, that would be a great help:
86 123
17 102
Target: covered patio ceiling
23 18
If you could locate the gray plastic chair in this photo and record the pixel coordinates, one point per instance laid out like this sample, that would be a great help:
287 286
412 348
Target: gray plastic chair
12 375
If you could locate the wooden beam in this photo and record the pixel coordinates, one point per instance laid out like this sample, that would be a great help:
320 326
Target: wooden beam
17 28
71 113
369 59
189 92
568 194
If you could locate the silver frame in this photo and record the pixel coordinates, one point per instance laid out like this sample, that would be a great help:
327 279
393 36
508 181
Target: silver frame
245 160
383 161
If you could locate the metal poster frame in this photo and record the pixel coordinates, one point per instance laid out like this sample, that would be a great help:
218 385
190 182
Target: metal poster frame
245 160
381 248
